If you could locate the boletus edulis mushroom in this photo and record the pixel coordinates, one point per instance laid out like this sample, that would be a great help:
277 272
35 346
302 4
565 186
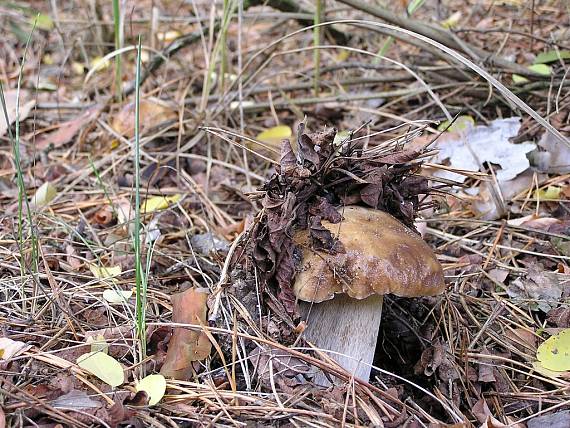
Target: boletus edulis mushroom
381 256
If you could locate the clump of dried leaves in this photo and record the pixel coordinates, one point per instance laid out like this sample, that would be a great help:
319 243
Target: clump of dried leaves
309 185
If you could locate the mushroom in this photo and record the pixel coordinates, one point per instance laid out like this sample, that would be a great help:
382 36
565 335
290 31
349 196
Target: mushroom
381 256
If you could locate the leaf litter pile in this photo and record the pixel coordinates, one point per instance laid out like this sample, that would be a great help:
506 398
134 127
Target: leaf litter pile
244 140
312 183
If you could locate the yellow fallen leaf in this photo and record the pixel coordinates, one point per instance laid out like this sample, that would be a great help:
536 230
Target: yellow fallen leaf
156 203
542 69
462 123
452 21
168 36
274 136
47 59
117 296
99 63
537 365
554 352
43 22
78 68
551 193
340 137
154 385
102 366
43 196
343 55
102 272
271 139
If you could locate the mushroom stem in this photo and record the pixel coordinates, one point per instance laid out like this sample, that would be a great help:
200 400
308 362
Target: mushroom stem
348 327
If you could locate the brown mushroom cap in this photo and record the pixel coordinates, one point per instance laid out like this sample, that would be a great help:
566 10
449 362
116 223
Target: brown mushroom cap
382 256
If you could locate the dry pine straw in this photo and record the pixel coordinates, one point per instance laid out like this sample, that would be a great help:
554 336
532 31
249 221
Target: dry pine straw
473 342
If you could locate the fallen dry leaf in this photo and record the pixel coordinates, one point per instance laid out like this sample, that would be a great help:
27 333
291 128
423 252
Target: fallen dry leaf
522 339
10 348
554 353
75 400
11 102
152 112
187 346
67 130
470 149
278 364
103 366
552 420
43 196
539 290
154 385
104 216
555 158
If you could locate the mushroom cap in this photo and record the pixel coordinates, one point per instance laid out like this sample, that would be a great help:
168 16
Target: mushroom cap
382 256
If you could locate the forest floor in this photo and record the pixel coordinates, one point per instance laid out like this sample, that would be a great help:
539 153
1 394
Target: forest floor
114 231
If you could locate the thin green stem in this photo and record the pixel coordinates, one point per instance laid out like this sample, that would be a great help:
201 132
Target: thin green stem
140 279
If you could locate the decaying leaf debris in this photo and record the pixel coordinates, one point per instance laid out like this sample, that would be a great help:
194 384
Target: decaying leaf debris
308 187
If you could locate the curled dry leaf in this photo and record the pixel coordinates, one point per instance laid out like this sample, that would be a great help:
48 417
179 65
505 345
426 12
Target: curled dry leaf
301 195
125 214
187 346
71 257
539 290
522 339
43 196
104 216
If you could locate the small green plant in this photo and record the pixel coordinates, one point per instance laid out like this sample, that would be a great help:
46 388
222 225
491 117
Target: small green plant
140 277
22 195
